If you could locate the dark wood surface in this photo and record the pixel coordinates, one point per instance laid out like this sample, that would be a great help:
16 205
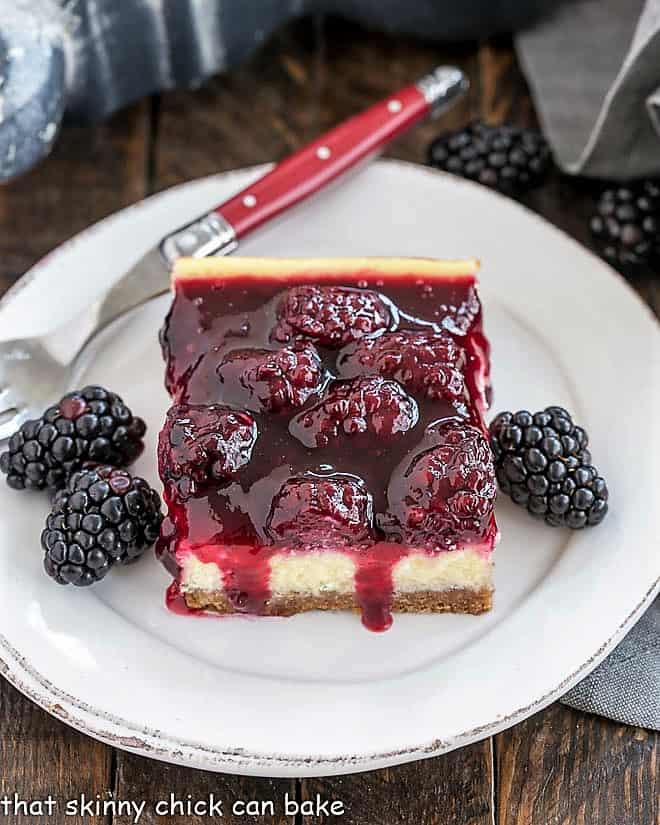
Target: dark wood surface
559 767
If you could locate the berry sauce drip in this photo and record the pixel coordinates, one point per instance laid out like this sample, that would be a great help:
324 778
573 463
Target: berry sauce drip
374 585
298 405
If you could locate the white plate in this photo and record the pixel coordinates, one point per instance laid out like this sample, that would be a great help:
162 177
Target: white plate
317 694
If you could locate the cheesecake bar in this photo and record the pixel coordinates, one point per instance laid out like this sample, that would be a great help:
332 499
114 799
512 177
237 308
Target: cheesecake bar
326 446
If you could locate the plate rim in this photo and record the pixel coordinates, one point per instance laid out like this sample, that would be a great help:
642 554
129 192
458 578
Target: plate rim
157 745
126 735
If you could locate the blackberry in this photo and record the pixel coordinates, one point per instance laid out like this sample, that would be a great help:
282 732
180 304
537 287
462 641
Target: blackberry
271 381
102 517
332 316
543 463
311 510
351 408
447 491
507 158
429 362
88 425
626 226
200 442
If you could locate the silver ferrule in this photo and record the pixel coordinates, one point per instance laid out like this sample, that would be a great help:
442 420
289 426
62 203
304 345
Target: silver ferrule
442 87
209 235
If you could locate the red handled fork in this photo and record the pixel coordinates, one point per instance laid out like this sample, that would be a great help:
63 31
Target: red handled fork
31 376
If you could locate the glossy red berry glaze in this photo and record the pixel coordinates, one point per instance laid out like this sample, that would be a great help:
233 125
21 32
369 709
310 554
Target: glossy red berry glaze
367 396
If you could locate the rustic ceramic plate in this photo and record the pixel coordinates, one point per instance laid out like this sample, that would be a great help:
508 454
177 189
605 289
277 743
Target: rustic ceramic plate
317 694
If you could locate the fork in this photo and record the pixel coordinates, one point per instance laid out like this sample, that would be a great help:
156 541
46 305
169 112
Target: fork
36 372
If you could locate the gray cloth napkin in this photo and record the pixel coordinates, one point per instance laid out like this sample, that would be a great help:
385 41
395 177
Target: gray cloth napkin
594 70
626 686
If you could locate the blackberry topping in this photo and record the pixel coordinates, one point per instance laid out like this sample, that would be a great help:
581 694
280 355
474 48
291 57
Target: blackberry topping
332 316
425 361
311 510
350 408
507 158
271 381
88 425
543 463
626 226
102 517
447 492
201 442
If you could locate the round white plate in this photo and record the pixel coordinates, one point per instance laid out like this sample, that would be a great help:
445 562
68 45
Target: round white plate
317 694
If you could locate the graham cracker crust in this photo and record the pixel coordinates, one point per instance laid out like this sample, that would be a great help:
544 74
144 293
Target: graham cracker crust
456 600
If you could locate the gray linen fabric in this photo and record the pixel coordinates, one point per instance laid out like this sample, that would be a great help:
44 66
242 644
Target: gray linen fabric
626 686
594 70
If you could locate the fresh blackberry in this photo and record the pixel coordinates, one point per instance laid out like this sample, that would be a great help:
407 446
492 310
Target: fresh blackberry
102 517
507 158
92 424
543 463
626 226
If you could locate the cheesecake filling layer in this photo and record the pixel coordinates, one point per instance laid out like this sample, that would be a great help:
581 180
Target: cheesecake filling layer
326 446
370 579
309 572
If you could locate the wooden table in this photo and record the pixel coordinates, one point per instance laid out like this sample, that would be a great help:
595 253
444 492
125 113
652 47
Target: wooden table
560 766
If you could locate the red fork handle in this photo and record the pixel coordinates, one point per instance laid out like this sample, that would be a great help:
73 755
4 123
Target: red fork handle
317 164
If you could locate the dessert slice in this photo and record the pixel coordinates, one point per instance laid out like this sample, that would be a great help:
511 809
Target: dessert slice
326 447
